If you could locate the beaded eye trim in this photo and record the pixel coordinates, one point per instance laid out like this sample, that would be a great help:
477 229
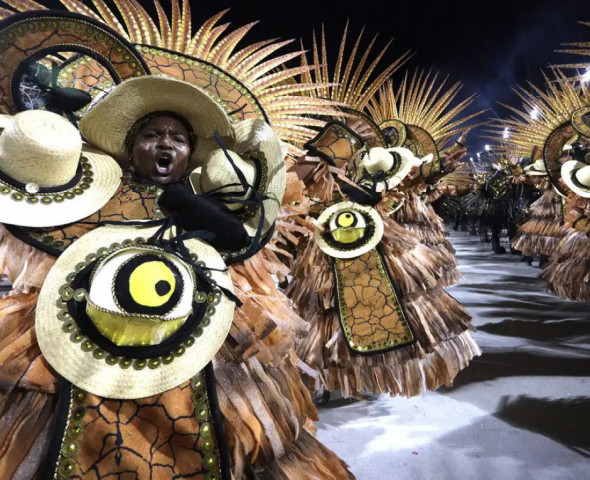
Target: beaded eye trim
31 194
367 236
70 327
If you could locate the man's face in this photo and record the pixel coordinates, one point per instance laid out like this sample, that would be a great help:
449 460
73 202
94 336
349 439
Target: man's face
161 150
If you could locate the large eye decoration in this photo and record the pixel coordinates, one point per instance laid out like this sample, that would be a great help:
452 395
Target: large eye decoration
348 230
149 284
348 226
139 296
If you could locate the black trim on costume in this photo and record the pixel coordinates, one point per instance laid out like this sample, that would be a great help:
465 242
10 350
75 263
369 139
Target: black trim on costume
58 427
399 297
22 235
78 312
59 188
217 422
369 232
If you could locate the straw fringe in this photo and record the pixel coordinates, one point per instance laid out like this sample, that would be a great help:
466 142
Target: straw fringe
25 380
25 266
541 234
262 396
420 219
308 459
568 271
439 322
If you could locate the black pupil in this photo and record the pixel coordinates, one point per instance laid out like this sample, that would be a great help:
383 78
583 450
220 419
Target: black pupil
163 287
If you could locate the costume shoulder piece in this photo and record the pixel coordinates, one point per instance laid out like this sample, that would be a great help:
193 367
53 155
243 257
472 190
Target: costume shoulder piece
41 49
336 144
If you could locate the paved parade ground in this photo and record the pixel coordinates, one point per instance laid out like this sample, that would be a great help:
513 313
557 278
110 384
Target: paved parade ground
520 411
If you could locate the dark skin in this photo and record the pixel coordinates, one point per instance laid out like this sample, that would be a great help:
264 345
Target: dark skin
161 150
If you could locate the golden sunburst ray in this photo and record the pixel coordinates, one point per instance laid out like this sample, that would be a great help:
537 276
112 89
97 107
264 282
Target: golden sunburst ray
427 102
353 82
257 66
577 48
542 111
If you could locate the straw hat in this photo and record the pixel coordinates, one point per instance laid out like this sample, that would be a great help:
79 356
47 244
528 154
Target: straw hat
536 168
111 290
395 163
108 123
257 152
576 176
348 229
47 177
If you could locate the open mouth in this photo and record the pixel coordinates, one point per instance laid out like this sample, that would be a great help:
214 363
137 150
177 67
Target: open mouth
164 165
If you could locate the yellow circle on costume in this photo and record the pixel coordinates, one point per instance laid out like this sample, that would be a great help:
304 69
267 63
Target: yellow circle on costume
144 280
348 229
345 220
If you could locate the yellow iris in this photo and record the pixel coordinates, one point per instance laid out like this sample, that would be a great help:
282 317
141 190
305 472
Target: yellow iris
151 284
345 220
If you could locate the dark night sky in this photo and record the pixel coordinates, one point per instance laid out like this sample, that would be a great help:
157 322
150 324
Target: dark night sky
490 46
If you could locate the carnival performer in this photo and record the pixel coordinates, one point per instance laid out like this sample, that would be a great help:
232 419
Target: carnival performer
559 132
541 233
410 341
265 433
412 115
567 271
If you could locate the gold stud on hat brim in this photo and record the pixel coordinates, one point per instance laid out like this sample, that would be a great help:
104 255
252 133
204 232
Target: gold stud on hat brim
107 124
26 209
88 372
576 175
370 215
256 135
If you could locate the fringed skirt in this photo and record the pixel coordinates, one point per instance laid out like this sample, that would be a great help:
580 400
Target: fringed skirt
542 232
420 219
568 271
440 324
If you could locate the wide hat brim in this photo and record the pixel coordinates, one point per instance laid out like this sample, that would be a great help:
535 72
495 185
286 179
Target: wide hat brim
83 367
63 207
531 170
107 124
255 134
568 171
371 216
400 170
